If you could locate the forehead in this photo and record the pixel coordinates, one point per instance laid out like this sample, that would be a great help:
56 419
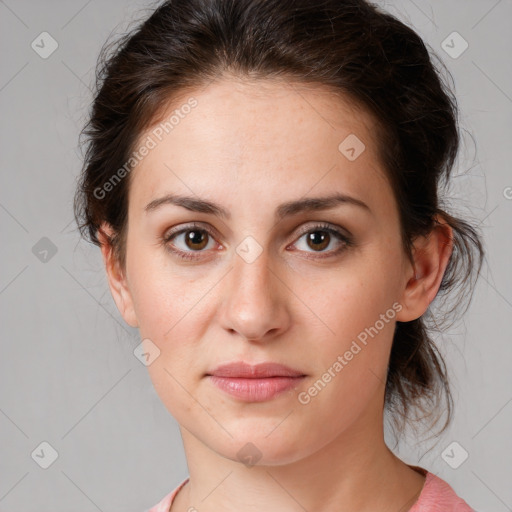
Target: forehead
257 136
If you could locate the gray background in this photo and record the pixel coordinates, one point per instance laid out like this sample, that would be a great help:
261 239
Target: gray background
68 374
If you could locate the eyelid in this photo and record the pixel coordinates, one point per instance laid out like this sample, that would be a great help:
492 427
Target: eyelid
327 226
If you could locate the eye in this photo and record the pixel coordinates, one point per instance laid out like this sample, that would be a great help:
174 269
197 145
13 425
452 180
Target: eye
188 242
320 237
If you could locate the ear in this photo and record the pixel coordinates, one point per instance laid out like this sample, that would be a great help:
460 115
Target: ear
116 277
431 255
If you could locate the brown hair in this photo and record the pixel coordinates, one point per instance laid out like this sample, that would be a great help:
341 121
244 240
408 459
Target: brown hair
349 46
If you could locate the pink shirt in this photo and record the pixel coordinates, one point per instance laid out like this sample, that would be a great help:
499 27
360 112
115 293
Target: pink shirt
436 496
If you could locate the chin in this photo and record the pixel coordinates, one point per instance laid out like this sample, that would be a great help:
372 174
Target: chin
258 449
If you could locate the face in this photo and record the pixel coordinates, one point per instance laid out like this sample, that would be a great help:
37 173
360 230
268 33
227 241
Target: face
257 279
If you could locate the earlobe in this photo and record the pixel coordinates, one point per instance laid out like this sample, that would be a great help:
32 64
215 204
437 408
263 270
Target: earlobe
431 256
116 277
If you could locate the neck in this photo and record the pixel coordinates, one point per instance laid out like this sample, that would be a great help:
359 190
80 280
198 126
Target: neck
356 469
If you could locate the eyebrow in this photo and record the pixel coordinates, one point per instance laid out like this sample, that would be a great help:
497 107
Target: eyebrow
288 209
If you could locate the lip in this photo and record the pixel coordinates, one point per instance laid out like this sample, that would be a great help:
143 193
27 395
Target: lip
255 383
258 371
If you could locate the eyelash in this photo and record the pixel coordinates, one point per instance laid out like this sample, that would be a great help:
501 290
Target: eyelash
194 255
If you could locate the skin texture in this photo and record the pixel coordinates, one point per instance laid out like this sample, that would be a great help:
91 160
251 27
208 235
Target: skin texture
250 146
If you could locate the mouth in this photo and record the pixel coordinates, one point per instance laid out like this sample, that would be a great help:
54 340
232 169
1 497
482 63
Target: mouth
255 383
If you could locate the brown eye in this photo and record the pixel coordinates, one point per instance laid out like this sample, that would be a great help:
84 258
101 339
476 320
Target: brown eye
196 239
189 242
323 240
318 240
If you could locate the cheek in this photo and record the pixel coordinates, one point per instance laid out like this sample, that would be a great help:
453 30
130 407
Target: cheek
161 295
171 315
351 357
174 308
350 300
355 316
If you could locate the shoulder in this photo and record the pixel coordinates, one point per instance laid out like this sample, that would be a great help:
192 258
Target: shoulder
438 495
165 503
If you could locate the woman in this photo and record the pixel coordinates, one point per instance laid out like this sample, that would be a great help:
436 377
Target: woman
263 179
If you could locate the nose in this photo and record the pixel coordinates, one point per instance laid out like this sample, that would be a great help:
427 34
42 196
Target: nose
255 304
